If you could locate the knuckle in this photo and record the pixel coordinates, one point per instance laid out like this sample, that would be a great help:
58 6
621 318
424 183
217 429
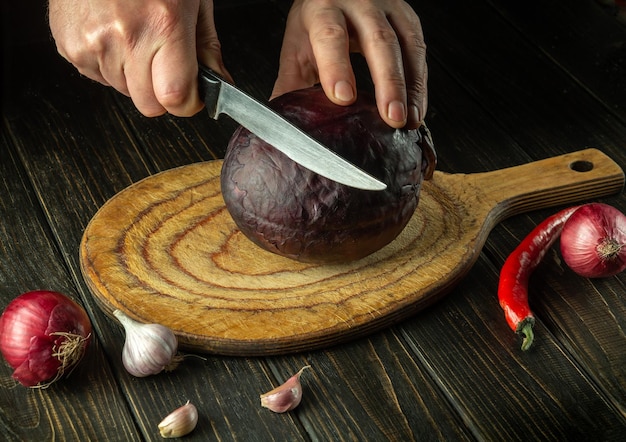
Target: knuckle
416 94
330 33
173 98
164 19
417 88
79 54
416 40
157 23
178 99
211 48
384 36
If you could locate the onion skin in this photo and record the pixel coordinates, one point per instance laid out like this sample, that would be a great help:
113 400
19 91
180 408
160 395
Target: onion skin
294 212
33 328
593 241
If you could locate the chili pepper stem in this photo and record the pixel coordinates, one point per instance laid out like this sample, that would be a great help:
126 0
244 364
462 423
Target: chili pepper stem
526 330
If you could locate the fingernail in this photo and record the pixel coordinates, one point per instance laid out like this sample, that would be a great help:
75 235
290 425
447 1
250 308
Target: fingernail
396 111
414 115
343 91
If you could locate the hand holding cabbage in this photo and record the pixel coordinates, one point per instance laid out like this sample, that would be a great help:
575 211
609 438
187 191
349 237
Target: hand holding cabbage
149 50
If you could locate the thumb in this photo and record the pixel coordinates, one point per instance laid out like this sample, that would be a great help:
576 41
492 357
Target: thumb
208 45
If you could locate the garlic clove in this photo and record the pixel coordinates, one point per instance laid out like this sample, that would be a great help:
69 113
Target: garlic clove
285 397
179 422
148 348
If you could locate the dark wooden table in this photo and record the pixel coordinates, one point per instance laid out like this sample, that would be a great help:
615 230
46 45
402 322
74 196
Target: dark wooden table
510 82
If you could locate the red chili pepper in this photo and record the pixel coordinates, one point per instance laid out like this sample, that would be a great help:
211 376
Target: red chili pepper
516 271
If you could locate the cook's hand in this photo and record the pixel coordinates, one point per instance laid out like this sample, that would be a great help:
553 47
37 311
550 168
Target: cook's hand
320 35
146 49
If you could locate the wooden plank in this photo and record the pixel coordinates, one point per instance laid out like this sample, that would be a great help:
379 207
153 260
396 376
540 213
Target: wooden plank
370 389
227 392
30 260
591 337
541 394
474 131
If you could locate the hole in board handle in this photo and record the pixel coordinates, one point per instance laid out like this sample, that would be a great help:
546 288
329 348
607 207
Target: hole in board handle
581 166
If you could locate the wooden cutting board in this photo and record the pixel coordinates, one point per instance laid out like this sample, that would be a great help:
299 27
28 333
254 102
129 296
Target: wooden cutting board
166 250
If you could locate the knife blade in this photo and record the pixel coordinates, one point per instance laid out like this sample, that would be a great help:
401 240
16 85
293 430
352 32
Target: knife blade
221 97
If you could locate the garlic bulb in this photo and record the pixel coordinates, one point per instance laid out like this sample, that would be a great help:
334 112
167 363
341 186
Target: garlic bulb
148 348
179 422
285 397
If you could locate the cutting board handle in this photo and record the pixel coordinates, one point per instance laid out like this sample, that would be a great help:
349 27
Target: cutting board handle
560 180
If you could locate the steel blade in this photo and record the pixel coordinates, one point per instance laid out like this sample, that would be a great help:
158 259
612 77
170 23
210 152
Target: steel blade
274 129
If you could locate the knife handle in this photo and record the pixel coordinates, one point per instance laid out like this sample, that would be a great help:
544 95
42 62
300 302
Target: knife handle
209 85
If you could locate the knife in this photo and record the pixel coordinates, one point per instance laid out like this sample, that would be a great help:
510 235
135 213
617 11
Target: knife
221 97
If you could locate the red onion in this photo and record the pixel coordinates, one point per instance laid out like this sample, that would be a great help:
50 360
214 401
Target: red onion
593 241
43 335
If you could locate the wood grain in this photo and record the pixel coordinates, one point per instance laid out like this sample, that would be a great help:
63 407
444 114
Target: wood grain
166 250
451 372
30 260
